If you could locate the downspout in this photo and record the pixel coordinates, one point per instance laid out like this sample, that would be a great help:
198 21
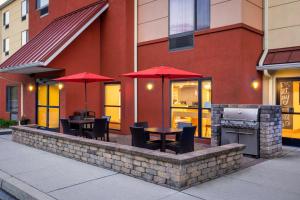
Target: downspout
266 49
135 67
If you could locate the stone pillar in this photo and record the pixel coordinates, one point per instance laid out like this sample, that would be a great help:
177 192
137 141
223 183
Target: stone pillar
270 131
270 127
217 111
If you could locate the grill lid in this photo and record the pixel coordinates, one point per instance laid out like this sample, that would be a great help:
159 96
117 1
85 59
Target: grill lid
241 114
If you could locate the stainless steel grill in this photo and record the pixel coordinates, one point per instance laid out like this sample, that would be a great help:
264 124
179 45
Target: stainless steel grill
241 125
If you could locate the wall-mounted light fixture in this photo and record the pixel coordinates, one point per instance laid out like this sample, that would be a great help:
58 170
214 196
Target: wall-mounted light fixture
255 84
60 86
149 86
30 87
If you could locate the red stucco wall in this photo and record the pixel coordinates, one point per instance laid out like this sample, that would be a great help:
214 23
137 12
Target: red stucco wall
229 56
29 97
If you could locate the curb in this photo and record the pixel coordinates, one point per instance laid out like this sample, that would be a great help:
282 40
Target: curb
21 190
5 131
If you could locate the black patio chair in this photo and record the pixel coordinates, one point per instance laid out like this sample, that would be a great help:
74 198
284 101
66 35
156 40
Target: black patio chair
75 117
139 139
107 120
143 125
98 130
67 129
185 143
182 125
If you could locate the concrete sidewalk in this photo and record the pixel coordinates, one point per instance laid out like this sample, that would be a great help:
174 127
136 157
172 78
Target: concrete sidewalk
30 173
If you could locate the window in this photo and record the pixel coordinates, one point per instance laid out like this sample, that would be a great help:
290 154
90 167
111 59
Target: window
191 103
6 46
288 97
42 6
203 14
181 16
6 20
112 104
24 9
12 101
24 37
185 16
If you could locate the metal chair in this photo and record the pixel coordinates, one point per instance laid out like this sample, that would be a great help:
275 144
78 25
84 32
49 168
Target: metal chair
185 143
67 129
139 139
98 130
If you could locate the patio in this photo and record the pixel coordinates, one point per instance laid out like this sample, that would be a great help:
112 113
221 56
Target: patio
175 171
49 176
126 140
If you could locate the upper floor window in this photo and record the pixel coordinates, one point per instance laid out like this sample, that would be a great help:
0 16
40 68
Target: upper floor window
186 16
24 9
6 46
24 37
6 19
181 16
42 6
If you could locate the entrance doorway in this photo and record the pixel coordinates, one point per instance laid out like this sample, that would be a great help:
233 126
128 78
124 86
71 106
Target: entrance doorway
191 103
288 96
48 106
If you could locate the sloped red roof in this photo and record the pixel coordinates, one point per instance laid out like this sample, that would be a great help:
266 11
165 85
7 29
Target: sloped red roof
282 56
51 41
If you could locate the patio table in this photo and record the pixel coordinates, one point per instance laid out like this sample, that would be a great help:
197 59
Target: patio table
81 123
163 132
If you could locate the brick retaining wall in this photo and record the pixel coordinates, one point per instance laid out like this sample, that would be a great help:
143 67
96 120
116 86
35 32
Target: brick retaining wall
270 127
175 171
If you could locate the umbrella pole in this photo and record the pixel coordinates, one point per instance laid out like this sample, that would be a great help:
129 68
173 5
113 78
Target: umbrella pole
162 100
85 97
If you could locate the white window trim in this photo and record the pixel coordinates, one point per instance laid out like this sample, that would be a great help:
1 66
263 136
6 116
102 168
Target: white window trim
6 18
6 45
26 4
26 39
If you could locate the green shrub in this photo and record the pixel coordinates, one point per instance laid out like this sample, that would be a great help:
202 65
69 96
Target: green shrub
7 123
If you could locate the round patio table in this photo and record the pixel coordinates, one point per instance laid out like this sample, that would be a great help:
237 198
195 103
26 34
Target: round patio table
163 132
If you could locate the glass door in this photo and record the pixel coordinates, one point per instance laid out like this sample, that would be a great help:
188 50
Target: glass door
191 103
112 104
48 106
288 96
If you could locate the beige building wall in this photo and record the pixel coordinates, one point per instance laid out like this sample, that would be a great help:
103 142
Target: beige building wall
153 16
284 23
16 26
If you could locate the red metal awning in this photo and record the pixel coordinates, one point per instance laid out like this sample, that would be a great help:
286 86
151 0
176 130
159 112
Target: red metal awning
49 43
283 55
282 58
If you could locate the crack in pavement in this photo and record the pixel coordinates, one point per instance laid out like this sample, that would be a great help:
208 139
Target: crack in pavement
82 183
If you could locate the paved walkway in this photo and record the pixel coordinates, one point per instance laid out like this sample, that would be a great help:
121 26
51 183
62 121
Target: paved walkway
54 177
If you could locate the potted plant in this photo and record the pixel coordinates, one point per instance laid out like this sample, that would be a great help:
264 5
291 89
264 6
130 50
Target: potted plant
24 120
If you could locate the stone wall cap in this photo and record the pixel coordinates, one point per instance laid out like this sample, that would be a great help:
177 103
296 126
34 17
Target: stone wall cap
150 154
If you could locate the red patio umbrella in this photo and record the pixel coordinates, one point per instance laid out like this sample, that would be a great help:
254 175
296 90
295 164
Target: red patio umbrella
163 72
85 78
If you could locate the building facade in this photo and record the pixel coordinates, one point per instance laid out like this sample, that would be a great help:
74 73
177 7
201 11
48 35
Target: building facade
206 37
13 35
220 39
280 64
